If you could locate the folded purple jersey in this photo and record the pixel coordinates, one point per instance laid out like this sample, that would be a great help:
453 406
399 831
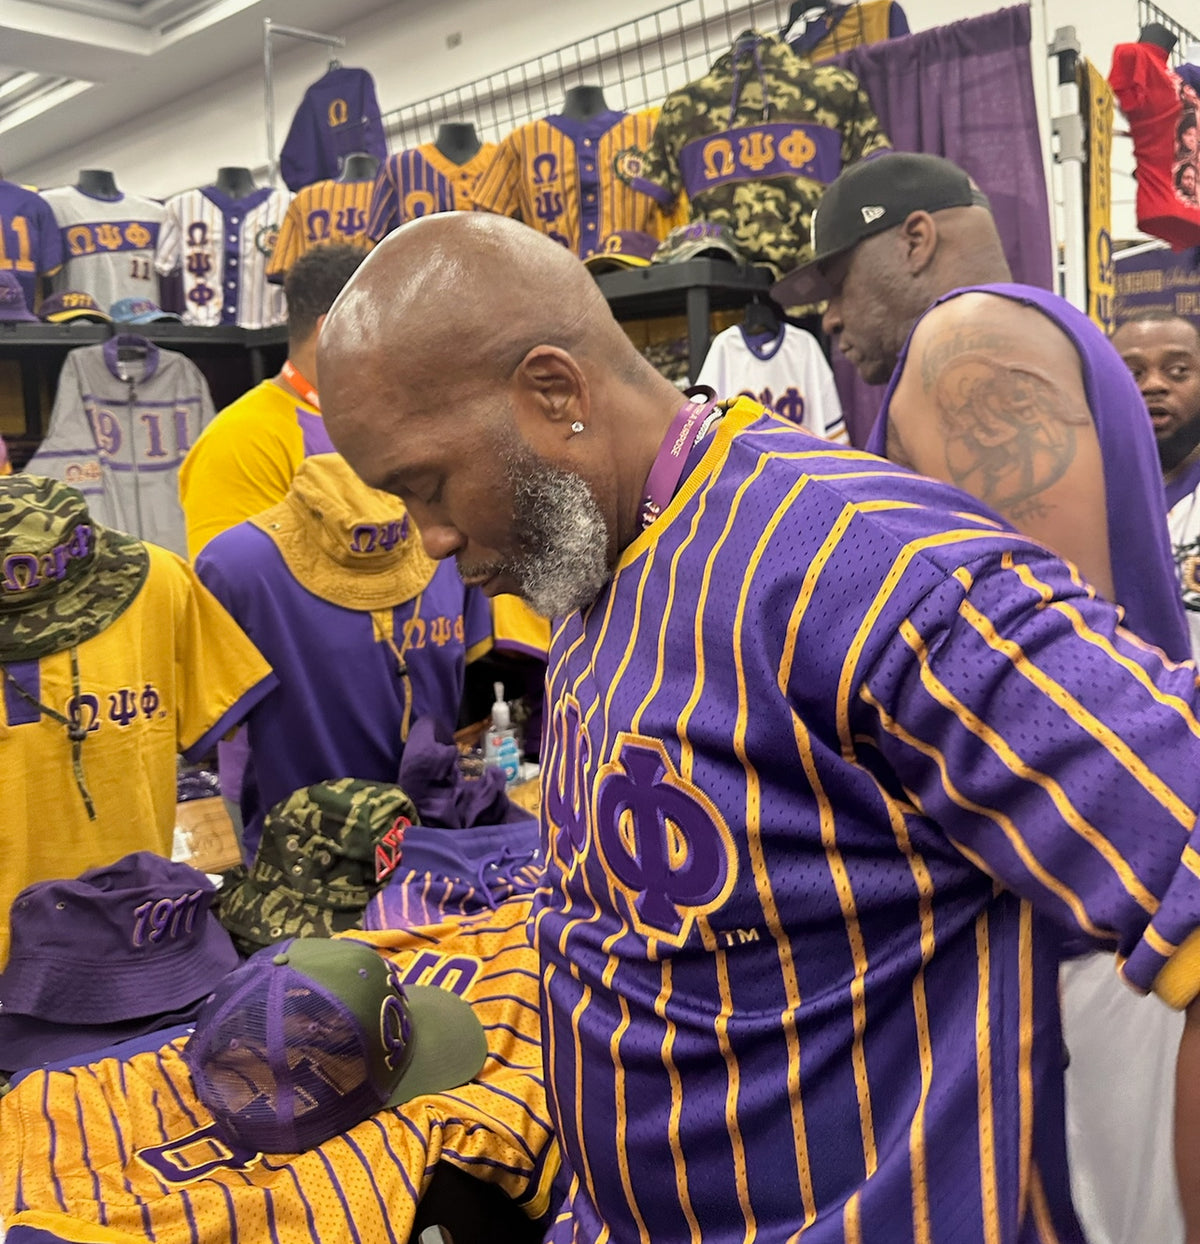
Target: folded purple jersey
445 797
457 874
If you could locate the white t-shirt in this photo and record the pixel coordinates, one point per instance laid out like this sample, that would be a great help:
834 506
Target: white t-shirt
1183 522
1121 1079
786 373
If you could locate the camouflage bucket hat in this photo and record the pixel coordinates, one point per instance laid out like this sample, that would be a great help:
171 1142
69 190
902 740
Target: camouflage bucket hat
325 852
63 577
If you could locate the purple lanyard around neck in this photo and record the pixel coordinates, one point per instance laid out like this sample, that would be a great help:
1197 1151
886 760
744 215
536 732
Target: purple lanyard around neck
668 463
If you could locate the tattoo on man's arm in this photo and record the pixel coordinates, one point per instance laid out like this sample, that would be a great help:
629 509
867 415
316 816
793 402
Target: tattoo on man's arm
1010 432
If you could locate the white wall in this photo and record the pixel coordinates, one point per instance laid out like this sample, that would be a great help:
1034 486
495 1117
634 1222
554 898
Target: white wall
405 47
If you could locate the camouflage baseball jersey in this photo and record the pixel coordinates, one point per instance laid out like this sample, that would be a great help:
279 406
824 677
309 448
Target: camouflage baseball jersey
754 143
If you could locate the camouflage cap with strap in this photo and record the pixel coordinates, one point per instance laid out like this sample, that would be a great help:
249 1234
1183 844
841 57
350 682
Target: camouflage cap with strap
63 578
326 850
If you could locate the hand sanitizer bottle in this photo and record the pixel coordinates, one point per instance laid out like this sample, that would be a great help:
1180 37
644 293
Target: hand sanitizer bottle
500 747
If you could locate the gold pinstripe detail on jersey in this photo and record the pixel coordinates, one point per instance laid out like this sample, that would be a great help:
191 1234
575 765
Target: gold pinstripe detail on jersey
1041 1211
1158 943
585 997
916 1132
614 1047
851 1219
1108 738
1000 747
829 839
1082 629
891 581
1025 1051
1005 822
983 1071
676 1111
733 1071
1135 640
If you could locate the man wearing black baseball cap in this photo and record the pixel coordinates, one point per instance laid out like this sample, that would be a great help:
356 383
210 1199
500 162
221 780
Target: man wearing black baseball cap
1005 390
1012 394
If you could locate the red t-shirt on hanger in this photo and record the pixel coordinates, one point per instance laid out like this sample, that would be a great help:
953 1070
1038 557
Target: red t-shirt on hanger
1162 114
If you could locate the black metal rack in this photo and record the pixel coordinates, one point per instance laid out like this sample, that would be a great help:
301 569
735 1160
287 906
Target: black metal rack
695 288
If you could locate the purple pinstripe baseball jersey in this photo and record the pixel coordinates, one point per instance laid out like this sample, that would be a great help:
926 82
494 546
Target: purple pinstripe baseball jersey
833 761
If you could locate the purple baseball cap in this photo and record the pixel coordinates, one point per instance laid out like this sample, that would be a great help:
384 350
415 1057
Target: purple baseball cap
72 304
133 939
12 300
626 248
313 1035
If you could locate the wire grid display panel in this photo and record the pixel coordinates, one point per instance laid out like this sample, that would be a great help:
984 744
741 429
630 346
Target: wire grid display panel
637 63
1148 13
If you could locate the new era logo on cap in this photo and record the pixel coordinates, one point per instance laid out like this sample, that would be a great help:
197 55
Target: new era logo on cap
868 198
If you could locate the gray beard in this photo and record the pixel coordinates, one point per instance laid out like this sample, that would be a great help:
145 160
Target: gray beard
561 532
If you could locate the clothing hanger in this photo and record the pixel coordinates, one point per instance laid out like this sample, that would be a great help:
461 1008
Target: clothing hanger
763 316
806 9
334 64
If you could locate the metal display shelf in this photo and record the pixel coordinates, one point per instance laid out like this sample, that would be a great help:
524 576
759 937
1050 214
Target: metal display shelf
695 289
21 335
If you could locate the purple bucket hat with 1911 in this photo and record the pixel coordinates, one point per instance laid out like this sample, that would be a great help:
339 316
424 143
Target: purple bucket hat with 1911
119 943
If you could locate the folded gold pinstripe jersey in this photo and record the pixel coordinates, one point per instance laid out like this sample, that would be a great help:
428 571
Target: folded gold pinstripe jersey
122 1145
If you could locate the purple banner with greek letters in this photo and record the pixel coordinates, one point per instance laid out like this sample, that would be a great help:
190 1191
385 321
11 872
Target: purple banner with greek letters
755 152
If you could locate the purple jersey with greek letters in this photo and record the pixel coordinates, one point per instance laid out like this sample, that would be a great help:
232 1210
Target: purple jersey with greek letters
457 872
343 707
831 762
421 182
1139 544
30 241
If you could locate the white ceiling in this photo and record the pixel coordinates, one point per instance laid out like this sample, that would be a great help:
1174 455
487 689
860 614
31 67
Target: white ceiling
73 69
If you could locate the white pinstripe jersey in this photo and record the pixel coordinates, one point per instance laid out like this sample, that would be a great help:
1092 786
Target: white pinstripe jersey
223 246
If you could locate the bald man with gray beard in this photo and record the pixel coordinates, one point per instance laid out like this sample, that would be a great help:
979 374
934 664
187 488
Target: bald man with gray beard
833 757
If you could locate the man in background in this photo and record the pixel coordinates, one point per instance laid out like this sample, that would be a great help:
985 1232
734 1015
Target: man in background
245 459
1006 391
1162 351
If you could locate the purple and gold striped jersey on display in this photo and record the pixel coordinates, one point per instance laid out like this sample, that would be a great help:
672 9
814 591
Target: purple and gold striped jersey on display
421 182
123 1149
564 177
832 764
329 212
